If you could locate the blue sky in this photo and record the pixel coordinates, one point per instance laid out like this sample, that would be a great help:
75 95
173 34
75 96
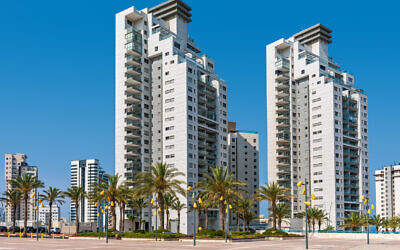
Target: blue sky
57 71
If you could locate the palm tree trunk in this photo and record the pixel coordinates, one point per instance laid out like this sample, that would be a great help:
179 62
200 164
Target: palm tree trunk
206 217
140 218
161 204
77 217
274 214
167 212
319 225
14 218
50 205
279 224
113 219
179 221
25 212
121 217
237 221
243 215
221 215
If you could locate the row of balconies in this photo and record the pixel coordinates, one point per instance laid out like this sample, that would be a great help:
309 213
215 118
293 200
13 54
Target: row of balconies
282 85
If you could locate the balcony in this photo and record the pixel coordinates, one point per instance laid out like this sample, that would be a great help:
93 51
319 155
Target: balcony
283 109
281 77
283 124
282 117
133 89
283 93
134 80
133 115
283 148
208 93
282 101
133 70
133 60
130 98
132 153
132 135
133 49
282 85
208 115
206 136
133 143
282 64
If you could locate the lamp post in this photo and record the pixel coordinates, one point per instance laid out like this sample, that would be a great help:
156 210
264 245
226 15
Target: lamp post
307 203
366 203
227 209
194 212
37 212
106 207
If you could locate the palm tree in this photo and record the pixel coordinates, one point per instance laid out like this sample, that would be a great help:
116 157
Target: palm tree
385 224
221 186
76 194
26 184
12 198
273 193
244 208
248 218
139 202
52 195
162 179
168 201
132 218
110 187
178 206
320 216
377 220
354 221
313 212
123 195
394 223
207 203
282 211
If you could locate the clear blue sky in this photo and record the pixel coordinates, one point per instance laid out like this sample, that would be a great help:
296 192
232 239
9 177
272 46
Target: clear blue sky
57 71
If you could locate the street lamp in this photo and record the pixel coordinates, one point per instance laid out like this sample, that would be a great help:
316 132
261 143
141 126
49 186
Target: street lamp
366 203
194 212
107 205
227 209
155 214
307 203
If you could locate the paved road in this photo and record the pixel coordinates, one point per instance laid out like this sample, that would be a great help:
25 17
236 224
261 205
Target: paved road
16 243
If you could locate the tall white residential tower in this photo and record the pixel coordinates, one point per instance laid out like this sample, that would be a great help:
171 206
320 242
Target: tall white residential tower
317 124
16 165
387 181
244 161
83 174
170 107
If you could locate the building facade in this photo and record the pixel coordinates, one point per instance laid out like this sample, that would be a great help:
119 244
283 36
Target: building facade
171 107
16 165
44 213
387 181
317 125
244 161
83 174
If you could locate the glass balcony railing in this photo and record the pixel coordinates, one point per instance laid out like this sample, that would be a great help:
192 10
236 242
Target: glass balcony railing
282 63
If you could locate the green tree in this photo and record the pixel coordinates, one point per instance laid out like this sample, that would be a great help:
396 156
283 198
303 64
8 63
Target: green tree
282 212
178 206
111 194
162 179
139 202
26 184
207 203
221 186
122 198
377 220
394 223
168 202
354 221
12 198
52 196
273 193
76 194
320 216
132 218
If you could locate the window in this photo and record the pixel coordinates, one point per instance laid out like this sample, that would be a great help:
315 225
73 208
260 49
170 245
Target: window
170 156
168 91
156 48
316 99
169 100
170 137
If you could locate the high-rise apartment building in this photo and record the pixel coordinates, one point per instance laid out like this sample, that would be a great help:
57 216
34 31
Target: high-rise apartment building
83 174
387 181
317 124
171 107
16 165
44 213
244 161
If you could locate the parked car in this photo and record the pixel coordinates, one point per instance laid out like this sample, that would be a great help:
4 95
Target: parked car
17 229
30 230
42 230
3 229
55 230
